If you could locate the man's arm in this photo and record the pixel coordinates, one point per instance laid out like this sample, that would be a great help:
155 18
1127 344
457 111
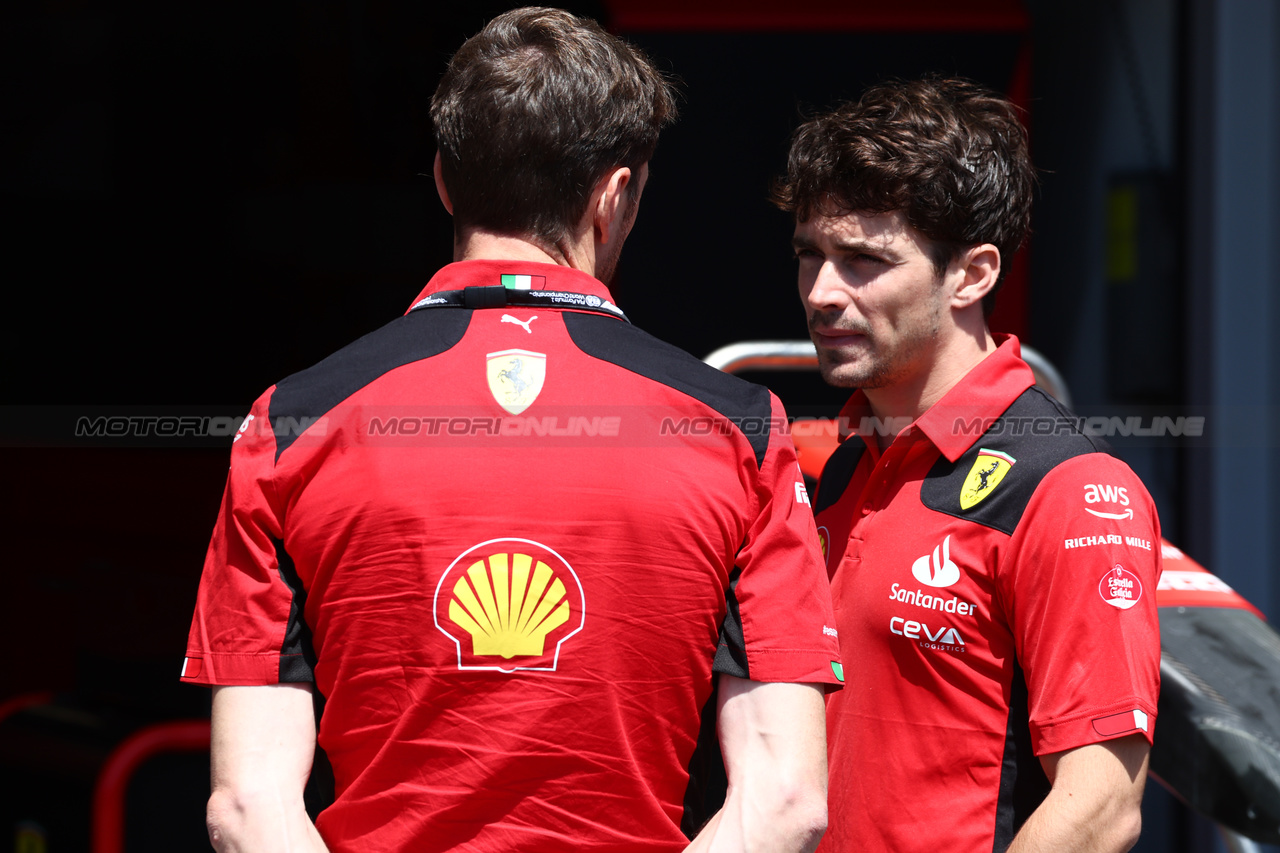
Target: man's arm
1095 802
263 742
774 741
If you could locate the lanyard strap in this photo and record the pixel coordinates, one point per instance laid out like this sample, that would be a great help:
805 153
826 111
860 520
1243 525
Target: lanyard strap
498 296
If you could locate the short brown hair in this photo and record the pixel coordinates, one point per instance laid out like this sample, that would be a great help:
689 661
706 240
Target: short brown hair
948 153
535 109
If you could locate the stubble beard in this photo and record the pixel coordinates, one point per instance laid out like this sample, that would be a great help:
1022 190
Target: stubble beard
865 370
871 366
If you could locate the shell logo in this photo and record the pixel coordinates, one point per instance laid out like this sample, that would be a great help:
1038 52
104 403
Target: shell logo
509 604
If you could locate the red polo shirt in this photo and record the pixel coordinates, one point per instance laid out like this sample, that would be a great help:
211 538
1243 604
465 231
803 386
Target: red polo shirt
994 574
510 545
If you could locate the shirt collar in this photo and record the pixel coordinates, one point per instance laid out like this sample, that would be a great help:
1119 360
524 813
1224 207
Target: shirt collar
482 273
982 394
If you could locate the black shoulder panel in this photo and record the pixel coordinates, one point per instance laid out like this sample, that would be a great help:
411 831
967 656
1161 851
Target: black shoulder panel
316 390
1039 434
837 473
744 403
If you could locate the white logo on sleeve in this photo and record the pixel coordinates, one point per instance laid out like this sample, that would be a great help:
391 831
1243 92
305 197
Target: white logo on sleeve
802 491
1098 493
244 425
936 569
1120 587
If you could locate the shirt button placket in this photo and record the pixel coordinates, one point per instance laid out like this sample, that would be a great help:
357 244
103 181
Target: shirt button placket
882 476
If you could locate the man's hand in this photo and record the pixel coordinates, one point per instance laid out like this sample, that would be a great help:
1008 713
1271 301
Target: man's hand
263 742
1095 804
773 737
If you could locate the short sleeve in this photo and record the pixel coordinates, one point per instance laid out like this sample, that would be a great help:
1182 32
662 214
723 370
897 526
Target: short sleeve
780 625
246 627
1079 589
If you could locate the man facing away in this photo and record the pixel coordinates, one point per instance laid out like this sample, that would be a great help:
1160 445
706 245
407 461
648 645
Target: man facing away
510 574
993 569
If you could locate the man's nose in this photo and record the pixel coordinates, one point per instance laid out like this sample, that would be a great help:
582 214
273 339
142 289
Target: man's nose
828 290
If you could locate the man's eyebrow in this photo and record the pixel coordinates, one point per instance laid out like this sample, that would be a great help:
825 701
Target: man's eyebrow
846 247
857 247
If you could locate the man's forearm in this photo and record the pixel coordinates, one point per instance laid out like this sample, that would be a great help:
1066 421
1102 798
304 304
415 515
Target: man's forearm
774 825
774 741
1095 805
1062 825
258 823
262 742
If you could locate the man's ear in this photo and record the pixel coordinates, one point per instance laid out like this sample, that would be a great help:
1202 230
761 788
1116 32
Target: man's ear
980 267
438 171
609 203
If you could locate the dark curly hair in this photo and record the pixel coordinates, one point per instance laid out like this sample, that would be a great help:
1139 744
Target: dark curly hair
948 153
533 110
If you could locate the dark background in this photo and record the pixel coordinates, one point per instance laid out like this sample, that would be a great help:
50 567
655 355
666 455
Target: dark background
203 198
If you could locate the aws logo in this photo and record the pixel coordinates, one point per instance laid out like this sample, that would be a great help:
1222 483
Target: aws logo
1095 493
509 604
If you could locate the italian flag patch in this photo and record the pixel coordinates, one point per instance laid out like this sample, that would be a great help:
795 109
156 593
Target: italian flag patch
524 282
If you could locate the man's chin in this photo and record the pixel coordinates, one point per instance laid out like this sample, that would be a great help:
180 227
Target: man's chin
838 374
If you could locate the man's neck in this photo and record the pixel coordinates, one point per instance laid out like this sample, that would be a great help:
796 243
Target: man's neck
904 402
476 245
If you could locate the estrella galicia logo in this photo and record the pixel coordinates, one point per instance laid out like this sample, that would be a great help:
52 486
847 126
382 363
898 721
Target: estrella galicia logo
1120 587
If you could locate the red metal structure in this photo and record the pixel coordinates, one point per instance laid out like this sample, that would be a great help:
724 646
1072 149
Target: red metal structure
113 780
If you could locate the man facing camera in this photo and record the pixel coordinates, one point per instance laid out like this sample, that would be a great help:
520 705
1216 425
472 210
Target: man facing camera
513 582
993 569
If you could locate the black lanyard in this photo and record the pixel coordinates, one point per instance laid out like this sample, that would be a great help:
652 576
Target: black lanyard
497 296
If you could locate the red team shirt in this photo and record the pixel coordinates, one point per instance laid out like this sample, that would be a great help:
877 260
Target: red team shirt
994 576
509 545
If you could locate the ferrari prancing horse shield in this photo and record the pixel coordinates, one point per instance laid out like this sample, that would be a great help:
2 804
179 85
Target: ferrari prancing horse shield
987 472
516 377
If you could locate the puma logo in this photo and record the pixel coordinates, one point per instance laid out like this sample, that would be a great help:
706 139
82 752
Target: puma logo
524 324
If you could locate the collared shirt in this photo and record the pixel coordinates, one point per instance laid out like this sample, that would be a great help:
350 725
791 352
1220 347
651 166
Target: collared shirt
510 545
994 574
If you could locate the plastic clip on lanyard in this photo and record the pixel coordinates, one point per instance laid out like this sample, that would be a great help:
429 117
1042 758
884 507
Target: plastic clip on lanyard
498 296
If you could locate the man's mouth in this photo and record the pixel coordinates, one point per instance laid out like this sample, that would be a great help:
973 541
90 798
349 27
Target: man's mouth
831 338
